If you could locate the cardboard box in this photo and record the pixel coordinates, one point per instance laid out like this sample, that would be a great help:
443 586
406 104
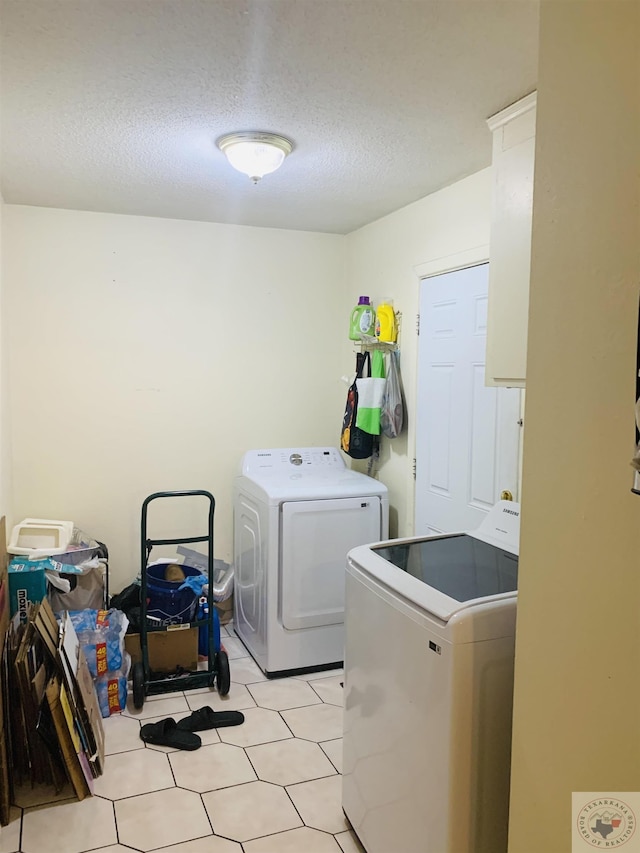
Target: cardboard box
68 739
27 585
167 649
56 727
225 610
93 717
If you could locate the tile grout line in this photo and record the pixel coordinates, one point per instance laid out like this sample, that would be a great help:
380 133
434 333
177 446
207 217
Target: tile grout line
279 832
339 772
144 794
285 722
226 838
259 778
123 751
284 788
126 846
316 692
295 707
241 785
244 748
247 687
115 821
173 775
206 811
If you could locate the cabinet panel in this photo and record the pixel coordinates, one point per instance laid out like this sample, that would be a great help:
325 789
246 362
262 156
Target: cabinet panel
510 249
519 130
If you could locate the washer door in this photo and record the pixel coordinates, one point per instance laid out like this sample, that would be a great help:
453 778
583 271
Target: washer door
315 539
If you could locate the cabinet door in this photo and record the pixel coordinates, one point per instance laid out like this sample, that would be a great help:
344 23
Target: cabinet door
510 251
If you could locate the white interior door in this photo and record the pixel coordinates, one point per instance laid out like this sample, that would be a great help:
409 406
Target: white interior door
467 435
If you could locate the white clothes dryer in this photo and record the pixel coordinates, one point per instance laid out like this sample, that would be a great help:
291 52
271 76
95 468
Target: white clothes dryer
429 658
297 513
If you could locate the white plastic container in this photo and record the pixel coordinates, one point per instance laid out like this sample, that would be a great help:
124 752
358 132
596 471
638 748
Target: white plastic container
40 537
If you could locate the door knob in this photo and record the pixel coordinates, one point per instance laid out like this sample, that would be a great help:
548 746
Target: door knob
506 495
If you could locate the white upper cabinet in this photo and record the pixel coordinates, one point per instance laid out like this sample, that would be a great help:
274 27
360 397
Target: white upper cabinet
510 244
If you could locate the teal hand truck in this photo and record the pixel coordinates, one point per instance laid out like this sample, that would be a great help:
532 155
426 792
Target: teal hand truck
149 683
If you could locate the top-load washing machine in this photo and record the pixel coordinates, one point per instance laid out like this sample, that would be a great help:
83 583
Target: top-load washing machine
429 658
297 512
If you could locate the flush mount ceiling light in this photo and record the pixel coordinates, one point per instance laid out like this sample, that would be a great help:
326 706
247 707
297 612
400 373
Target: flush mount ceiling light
255 153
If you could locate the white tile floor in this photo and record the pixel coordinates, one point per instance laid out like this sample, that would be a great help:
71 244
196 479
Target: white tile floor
271 785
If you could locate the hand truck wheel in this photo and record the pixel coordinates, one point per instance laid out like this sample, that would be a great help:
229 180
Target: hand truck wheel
223 674
137 676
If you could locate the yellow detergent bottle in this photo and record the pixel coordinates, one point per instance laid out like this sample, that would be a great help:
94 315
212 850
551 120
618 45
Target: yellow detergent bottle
386 328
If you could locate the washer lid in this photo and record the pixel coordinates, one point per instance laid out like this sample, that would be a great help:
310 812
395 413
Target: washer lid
447 574
308 473
461 567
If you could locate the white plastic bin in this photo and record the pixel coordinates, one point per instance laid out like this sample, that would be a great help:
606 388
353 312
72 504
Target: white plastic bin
40 537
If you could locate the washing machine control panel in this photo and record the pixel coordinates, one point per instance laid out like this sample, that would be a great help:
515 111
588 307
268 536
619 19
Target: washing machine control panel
289 459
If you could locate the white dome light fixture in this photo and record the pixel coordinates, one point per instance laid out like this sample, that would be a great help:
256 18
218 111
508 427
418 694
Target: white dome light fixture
255 153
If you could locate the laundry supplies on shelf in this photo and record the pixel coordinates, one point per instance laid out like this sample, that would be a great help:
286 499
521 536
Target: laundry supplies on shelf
386 324
362 320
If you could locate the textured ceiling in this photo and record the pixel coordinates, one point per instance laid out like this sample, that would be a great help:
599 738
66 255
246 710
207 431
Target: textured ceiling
115 105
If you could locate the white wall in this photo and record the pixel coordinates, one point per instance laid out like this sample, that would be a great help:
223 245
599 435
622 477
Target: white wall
130 337
149 354
577 691
381 261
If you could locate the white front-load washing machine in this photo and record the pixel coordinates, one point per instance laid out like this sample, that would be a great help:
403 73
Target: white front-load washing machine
429 657
297 513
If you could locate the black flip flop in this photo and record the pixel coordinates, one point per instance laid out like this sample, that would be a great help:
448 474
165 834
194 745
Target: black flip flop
167 733
207 718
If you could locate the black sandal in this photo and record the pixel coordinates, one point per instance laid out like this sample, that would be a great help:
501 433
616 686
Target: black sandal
207 718
168 733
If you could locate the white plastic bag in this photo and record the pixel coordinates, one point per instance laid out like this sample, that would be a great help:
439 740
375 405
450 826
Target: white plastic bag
392 409
86 588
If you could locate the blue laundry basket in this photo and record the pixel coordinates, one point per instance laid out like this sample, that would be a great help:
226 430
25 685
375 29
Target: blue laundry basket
167 603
